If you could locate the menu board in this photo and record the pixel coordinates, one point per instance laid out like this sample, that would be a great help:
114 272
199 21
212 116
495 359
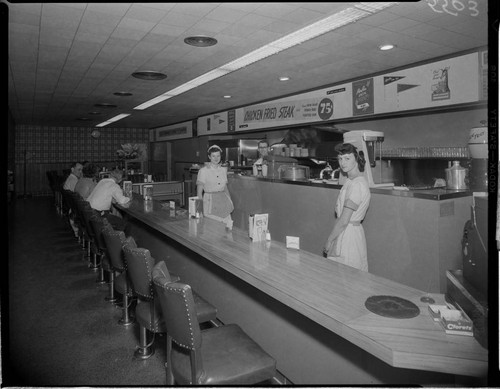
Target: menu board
320 105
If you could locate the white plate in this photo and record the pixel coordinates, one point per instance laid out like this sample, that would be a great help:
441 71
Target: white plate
331 182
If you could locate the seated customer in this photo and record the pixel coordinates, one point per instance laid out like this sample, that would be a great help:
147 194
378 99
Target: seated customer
88 182
74 176
104 194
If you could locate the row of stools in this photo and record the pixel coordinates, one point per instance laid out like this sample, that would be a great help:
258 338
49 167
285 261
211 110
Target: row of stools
200 349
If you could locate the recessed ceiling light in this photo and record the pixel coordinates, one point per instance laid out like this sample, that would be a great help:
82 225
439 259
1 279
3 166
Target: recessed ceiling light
200 41
386 47
105 105
94 113
284 78
83 119
149 75
227 96
122 94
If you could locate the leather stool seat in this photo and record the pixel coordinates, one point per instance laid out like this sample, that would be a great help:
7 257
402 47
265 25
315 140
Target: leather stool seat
223 355
229 357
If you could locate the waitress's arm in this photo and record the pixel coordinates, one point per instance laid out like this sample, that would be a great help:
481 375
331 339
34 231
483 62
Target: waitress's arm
199 190
339 227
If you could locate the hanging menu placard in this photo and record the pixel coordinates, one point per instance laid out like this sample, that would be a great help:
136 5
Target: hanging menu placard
321 105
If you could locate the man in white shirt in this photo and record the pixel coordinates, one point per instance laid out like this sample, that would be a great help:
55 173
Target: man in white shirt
69 184
106 192
74 176
263 148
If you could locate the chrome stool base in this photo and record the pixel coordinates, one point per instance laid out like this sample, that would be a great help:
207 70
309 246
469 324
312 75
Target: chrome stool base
126 322
144 353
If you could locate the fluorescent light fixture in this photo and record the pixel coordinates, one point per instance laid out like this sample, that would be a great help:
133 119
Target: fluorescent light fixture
374 7
386 47
227 96
113 119
330 23
284 78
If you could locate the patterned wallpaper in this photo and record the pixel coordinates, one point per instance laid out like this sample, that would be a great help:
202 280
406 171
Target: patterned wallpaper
68 144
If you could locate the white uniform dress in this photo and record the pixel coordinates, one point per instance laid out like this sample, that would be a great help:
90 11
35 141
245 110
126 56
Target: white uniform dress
216 202
351 243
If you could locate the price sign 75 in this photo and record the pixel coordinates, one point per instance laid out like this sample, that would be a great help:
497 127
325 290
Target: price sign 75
325 109
449 6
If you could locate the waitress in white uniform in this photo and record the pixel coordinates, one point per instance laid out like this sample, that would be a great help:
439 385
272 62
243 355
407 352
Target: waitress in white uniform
211 186
346 243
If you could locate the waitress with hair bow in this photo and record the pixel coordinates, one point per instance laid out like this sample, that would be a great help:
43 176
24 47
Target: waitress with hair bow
211 186
346 243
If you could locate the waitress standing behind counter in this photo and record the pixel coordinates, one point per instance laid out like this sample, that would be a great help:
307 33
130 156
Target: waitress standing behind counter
211 186
347 243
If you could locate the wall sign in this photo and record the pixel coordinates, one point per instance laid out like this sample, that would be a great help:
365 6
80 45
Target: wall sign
362 97
216 123
174 131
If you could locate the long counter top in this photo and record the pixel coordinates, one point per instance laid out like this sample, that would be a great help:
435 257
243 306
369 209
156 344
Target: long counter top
331 294
429 194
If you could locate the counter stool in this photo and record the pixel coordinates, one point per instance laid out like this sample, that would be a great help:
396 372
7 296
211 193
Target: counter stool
82 205
121 284
140 265
98 223
88 214
223 355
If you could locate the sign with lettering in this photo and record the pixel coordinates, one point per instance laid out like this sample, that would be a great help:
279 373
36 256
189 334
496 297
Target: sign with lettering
175 131
316 106
362 97
450 81
216 123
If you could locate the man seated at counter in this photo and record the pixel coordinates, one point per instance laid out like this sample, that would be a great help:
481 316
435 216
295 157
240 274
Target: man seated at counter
347 243
88 182
74 176
104 194
211 186
69 184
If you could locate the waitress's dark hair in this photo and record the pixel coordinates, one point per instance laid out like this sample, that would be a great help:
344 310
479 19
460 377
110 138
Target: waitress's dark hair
347 148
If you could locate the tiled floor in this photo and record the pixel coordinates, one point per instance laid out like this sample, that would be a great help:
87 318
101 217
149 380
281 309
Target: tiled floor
61 330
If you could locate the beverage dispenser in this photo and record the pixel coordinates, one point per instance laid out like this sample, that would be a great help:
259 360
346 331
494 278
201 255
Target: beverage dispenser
368 142
478 150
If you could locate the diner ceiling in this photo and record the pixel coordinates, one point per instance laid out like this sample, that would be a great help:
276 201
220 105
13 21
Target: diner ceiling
64 58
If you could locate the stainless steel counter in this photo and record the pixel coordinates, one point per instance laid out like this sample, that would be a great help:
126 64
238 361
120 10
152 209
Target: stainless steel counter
428 194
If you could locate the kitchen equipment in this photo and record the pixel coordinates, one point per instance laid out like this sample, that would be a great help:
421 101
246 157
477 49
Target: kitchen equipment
294 172
478 150
456 176
326 173
367 141
274 162
478 142
244 151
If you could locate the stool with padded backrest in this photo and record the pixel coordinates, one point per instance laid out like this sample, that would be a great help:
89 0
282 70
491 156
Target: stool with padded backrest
88 214
82 206
223 355
98 223
121 283
79 204
140 265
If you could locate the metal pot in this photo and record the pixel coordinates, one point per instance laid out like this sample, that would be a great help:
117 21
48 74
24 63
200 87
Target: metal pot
456 176
294 172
